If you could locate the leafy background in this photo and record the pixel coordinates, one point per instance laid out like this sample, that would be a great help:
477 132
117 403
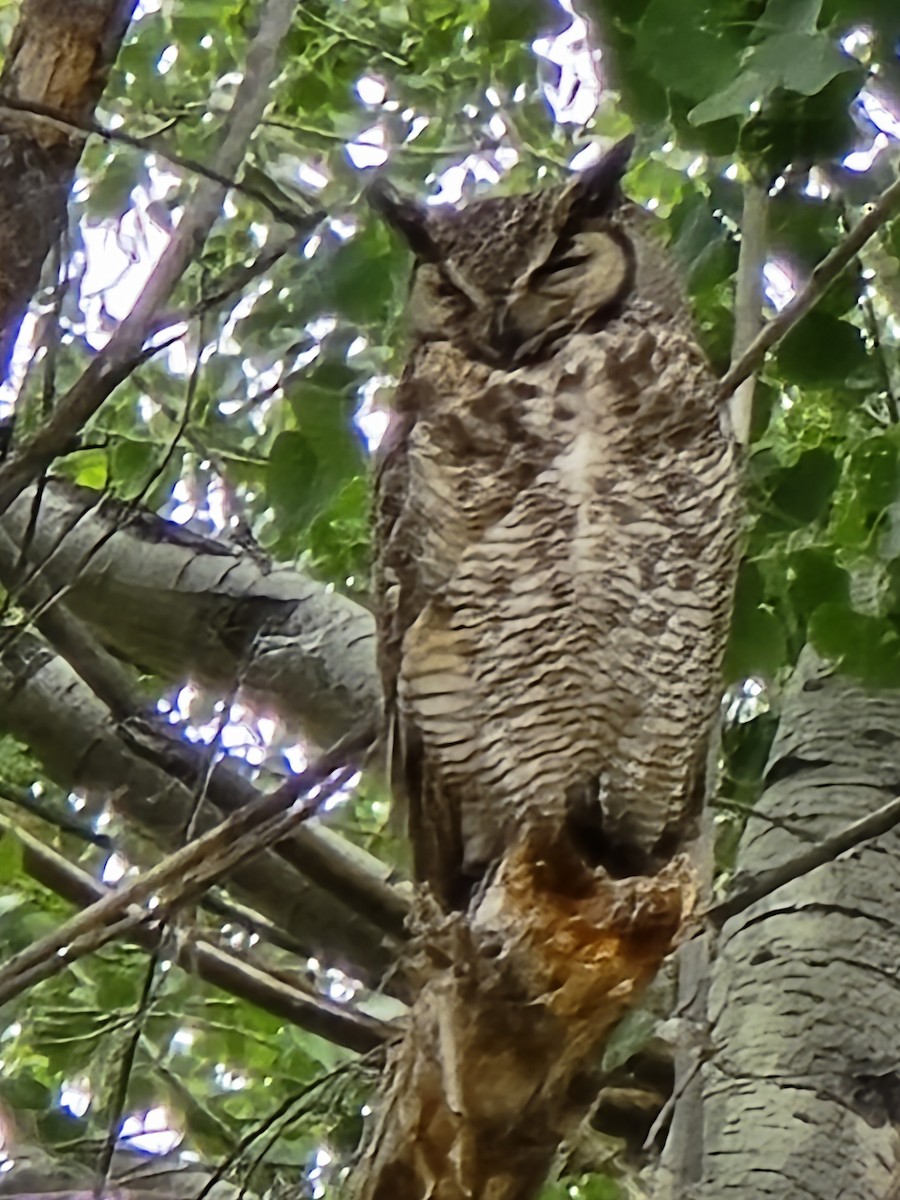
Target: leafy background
264 414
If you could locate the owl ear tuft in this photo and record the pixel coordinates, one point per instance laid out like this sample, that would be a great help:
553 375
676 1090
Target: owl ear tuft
405 215
595 191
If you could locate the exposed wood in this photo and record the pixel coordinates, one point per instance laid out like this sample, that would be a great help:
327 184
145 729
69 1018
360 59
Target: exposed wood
523 989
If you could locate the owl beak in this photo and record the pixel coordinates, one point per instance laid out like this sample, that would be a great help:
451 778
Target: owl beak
595 191
405 216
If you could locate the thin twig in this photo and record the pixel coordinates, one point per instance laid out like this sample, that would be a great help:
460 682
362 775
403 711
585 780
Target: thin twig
151 141
23 798
823 276
125 1065
183 875
875 824
284 1111
228 283
317 1014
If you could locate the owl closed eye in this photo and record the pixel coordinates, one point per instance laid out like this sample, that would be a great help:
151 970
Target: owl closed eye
506 278
581 284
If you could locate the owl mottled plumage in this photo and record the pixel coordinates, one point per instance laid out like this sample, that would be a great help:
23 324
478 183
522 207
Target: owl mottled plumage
555 534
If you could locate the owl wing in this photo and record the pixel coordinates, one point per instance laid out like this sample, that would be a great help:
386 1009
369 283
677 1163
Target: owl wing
569 643
454 465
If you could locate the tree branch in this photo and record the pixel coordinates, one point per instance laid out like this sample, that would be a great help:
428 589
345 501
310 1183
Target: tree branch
823 276
46 706
318 1015
106 677
183 875
302 221
325 859
748 314
224 907
176 604
748 892
113 364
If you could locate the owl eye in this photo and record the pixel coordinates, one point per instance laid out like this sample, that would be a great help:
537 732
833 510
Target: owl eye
582 280
566 261
592 266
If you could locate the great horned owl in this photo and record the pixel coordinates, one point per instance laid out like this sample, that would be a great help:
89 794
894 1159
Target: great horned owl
555 529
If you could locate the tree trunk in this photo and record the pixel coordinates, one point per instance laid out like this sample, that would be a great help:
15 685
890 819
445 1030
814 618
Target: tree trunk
800 1084
522 990
59 56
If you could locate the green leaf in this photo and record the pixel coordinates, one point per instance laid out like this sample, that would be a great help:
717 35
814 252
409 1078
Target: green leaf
814 578
394 16
820 350
796 62
873 473
792 127
131 465
110 194
701 243
756 643
292 474
24 1091
309 465
10 857
802 492
583 1187
89 468
850 524
518 20
799 16
708 47
799 62
867 647
323 416
11 902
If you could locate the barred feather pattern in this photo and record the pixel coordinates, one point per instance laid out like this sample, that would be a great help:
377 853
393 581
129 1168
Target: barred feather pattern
556 548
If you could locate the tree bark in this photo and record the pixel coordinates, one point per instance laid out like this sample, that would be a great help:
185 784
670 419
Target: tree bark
184 606
60 54
801 1090
519 993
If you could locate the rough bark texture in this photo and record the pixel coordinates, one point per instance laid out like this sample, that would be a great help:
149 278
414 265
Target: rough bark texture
802 1088
522 989
59 55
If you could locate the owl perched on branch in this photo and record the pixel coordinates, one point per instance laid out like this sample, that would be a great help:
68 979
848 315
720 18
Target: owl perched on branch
555 528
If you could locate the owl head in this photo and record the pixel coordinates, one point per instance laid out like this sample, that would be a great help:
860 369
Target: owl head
509 276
